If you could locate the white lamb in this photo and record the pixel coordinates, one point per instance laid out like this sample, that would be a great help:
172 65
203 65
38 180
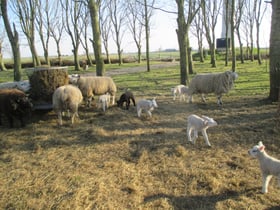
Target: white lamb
196 123
147 105
181 91
218 83
92 85
67 99
270 166
104 101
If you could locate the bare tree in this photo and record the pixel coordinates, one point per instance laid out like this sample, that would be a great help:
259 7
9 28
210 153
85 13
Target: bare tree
96 42
199 33
238 21
26 12
136 18
183 35
211 10
74 25
84 36
250 10
274 51
14 41
57 27
232 28
260 11
43 25
117 11
105 28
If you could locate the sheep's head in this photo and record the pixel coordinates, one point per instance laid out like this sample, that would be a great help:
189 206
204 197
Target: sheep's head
209 122
154 103
73 78
257 149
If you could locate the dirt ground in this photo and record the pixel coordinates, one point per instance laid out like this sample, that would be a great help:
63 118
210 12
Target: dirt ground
115 160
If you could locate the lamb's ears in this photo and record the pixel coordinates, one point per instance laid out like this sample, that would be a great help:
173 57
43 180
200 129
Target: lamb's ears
260 143
205 122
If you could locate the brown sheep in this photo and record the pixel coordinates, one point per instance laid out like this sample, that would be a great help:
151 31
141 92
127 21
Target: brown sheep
14 103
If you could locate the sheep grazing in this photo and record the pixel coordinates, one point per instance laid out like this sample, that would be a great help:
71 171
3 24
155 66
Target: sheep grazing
196 123
21 85
14 103
181 91
104 101
270 166
218 83
91 85
66 98
147 105
126 97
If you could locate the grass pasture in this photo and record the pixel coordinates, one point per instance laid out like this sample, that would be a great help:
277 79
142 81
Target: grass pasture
115 160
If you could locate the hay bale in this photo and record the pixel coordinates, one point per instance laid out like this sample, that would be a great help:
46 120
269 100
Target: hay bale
44 81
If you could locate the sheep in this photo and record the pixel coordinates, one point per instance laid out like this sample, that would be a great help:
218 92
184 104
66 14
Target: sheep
217 83
14 103
126 97
104 101
196 123
92 85
66 98
21 85
147 105
269 165
179 90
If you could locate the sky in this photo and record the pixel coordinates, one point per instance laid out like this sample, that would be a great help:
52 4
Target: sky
163 36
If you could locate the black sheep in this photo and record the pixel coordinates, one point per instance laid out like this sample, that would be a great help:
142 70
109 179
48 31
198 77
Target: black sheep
14 104
126 97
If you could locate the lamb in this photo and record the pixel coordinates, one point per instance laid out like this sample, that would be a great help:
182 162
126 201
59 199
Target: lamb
270 166
66 98
196 123
21 85
104 101
14 103
218 83
179 90
147 105
126 97
92 85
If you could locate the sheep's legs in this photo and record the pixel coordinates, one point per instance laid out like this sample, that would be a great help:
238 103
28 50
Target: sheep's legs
203 98
189 132
139 111
219 100
149 113
59 115
206 137
266 180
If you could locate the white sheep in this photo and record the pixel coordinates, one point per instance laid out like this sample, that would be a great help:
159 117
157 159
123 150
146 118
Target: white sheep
217 83
195 124
181 91
269 165
21 85
147 105
92 85
66 98
104 101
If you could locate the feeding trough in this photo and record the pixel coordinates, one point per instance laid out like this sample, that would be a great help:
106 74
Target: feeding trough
44 81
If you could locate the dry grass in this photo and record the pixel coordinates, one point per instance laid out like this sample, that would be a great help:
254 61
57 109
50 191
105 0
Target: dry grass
118 161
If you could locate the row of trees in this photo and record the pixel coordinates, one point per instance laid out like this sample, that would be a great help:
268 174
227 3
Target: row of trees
95 22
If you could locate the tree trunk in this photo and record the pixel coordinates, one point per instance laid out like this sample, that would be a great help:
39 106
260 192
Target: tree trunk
93 7
147 31
14 40
233 64
182 40
274 49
